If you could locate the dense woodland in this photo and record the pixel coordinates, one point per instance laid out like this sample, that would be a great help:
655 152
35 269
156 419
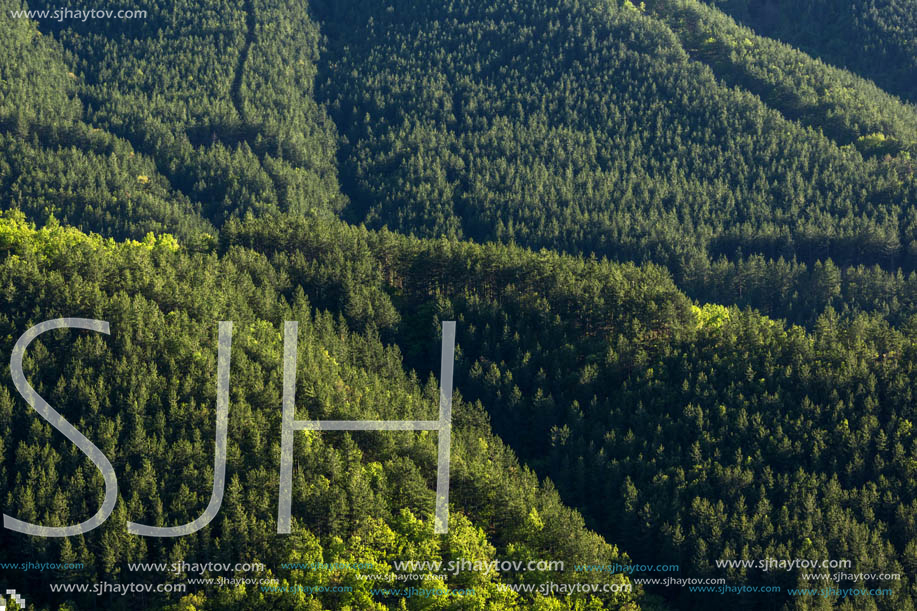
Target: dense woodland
145 395
680 255
574 126
726 434
875 38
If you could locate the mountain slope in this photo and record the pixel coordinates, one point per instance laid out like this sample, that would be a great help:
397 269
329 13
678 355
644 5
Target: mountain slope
875 38
145 396
185 86
693 434
586 127
847 108
667 162
53 163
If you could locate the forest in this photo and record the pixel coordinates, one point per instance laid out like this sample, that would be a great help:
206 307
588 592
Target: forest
874 38
677 237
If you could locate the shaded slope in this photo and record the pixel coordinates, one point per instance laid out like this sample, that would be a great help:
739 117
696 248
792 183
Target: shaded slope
847 108
585 127
53 163
874 38
187 86
688 434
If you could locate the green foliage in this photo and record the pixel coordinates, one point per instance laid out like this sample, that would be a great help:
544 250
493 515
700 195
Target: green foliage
845 107
683 432
875 38
163 124
145 396
587 128
711 316
691 169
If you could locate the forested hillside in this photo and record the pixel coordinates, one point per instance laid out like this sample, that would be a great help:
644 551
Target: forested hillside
688 433
848 109
55 163
875 38
185 90
581 127
146 395
625 142
680 255
591 128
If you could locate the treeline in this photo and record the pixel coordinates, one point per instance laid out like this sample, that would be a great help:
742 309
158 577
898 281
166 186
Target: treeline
145 395
801 293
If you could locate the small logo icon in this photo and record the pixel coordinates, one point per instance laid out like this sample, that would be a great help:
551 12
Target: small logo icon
20 601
